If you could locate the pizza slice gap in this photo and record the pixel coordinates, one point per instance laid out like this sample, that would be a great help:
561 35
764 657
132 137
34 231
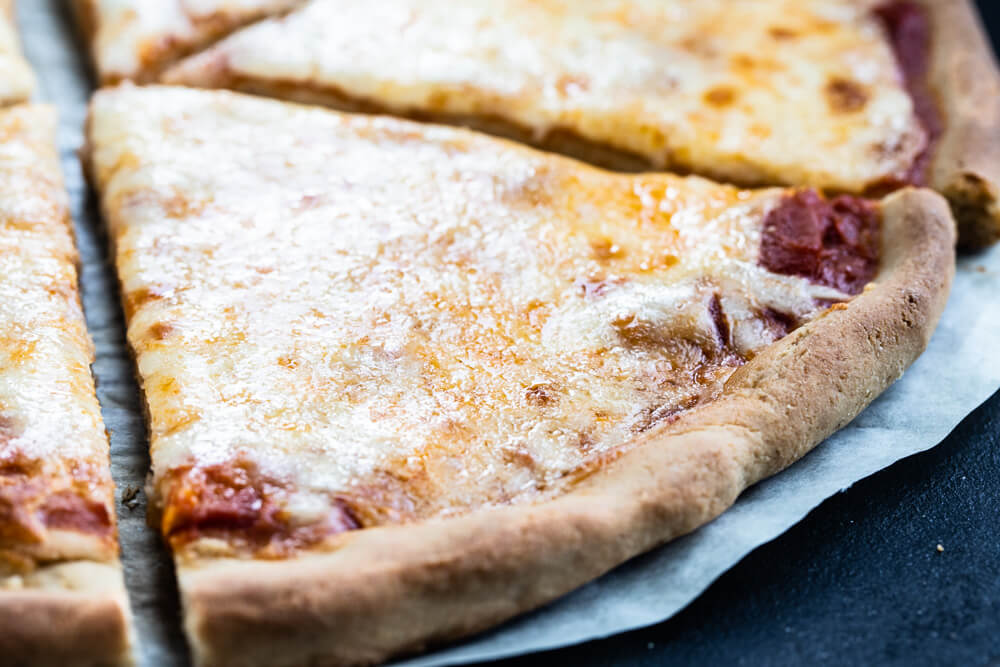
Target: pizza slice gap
136 39
62 597
17 80
405 381
846 96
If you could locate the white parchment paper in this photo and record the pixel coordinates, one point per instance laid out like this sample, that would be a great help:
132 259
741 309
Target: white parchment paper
958 372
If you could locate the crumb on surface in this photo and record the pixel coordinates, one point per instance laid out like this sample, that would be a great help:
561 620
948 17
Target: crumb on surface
130 497
940 548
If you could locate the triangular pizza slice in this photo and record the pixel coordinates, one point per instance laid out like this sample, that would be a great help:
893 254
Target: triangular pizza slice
136 39
62 598
843 95
405 381
17 81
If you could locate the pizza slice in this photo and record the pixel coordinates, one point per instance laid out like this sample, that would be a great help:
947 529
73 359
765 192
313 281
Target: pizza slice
135 39
17 81
859 96
62 598
405 381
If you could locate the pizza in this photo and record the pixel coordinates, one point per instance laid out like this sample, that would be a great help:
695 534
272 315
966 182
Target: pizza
17 81
135 39
752 92
857 96
405 381
62 598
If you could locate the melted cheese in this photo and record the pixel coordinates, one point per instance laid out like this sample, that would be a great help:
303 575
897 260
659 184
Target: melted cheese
753 91
17 81
135 38
50 422
416 318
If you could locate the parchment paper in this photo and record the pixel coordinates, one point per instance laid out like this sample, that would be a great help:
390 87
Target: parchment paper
958 372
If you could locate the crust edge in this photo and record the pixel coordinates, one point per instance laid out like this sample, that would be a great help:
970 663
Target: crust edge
85 601
963 73
383 591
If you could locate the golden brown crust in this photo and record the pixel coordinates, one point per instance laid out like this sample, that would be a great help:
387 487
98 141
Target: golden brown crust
378 592
966 164
85 602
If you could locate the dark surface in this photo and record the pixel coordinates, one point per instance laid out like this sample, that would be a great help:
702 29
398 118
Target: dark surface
860 580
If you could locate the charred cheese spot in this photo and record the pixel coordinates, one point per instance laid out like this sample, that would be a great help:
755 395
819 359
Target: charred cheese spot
63 286
168 385
605 249
782 33
743 62
585 442
541 395
518 456
846 95
137 298
181 205
288 361
720 96
160 330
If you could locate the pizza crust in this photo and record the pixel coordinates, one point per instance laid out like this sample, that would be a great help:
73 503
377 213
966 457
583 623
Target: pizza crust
966 164
85 600
375 593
